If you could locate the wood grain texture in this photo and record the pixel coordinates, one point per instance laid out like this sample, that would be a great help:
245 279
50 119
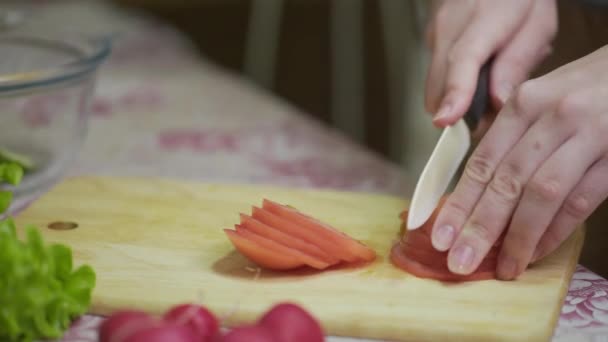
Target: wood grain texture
158 242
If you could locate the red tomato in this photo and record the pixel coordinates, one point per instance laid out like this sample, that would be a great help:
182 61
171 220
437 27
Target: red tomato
262 256
416 255
296 229
283 250
286 239
351 248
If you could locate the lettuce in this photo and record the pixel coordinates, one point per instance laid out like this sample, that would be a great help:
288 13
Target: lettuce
40 292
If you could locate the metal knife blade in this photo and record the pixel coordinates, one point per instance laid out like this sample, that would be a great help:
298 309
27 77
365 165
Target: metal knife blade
448 154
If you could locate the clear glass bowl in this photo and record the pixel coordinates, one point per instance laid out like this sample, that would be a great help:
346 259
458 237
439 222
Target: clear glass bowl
46 84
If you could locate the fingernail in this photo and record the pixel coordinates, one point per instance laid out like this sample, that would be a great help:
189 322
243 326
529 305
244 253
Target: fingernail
504 91
443 237
507 268
463 258
443 112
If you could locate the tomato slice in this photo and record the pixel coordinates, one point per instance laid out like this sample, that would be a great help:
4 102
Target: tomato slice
279 248
285 239
412 266
302 232
415 254
351 249
419 240
263 257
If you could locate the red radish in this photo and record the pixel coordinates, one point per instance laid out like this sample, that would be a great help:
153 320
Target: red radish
198 319
251 333
164 332
291 323
123 324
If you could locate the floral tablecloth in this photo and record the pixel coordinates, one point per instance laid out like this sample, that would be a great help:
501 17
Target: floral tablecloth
160 110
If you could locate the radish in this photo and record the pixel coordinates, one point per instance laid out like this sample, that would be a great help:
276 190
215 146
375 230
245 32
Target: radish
164 332
203 324
123 324
250 333
290 323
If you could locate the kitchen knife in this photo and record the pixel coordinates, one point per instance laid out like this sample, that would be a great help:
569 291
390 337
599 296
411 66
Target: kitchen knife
448 154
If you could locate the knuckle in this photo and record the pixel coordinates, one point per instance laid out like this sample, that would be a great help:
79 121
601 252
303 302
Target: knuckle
481 231
507 186
457 207
571 105
544 189
525 95
578 206
479 168
520 239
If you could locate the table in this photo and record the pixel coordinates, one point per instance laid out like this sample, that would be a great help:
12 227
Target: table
160 110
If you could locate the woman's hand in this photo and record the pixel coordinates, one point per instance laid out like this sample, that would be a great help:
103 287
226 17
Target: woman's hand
540 170
463 34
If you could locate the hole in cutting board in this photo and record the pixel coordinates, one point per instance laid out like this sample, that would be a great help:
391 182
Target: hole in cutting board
62 225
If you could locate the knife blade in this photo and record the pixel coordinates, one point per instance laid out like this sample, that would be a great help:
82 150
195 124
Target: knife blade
449 152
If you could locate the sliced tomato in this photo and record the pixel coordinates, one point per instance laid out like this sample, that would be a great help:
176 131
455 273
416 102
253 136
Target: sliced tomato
263 257
279 248
438 260
299 231
419 240
416 255
401 260
352 248
286 239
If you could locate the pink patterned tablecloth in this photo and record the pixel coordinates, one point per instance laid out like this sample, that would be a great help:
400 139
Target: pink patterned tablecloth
160 110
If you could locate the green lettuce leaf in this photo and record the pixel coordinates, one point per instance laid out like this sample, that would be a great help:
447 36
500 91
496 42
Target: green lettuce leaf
10 173
40 292
5 200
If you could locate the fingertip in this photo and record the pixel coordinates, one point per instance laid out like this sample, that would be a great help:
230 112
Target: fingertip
446 116
507 268
502 92
461 259
452 108
538 254
443 237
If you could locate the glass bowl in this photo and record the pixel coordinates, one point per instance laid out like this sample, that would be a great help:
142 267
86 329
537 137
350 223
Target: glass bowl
46 84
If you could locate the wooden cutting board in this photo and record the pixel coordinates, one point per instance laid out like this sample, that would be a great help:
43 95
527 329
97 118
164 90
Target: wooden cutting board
158 242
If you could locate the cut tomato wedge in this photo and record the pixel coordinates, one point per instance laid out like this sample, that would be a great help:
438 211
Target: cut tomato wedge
352 248
285 239
295 239
322 241
263 257
283 250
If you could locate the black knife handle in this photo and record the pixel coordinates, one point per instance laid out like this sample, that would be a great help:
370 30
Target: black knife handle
479 103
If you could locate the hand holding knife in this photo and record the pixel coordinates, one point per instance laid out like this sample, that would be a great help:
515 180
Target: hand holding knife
448 154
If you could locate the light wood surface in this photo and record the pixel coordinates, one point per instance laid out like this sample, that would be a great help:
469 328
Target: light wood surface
157 242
